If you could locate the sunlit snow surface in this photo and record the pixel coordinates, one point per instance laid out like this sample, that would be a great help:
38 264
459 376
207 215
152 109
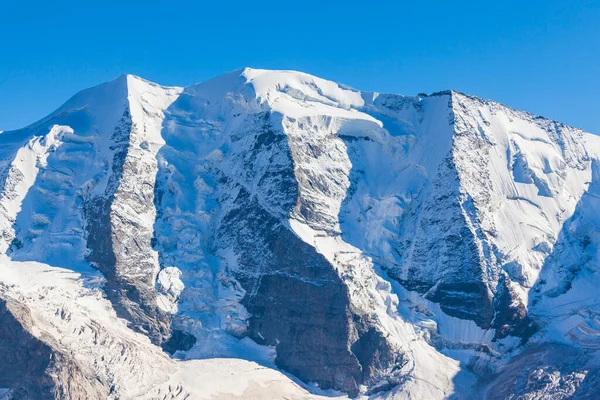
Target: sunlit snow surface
528 189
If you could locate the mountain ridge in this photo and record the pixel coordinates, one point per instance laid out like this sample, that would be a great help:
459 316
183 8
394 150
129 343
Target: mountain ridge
371 243
240 71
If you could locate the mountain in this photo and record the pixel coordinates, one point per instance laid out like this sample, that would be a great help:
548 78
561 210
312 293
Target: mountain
270 234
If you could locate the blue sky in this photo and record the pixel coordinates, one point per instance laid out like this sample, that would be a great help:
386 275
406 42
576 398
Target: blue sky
540 56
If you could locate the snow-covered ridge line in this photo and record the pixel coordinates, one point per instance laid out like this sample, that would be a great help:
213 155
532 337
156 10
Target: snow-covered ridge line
367 242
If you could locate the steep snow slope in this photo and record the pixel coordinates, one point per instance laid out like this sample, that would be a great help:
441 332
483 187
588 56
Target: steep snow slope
376 244
32 168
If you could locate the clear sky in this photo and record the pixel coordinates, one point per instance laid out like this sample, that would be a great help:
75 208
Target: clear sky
540 56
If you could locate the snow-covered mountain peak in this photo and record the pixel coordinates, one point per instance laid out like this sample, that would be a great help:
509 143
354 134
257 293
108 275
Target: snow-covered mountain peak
378 244
302 87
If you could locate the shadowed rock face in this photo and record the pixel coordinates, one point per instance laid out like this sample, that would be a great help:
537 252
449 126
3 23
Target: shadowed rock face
131 292
447 247
296 300
436 239
511 318
178 341
31 368
25 359
297 303
547 371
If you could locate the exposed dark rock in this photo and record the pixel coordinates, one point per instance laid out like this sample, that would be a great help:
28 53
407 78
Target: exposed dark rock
510 317
547 371
133 297
25 359
296 300
178 341
34 370
441 253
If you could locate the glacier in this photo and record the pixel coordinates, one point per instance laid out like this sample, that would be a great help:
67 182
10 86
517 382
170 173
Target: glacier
307 238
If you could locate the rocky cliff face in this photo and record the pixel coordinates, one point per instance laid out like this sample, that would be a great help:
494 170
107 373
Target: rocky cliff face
32 368
379 245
